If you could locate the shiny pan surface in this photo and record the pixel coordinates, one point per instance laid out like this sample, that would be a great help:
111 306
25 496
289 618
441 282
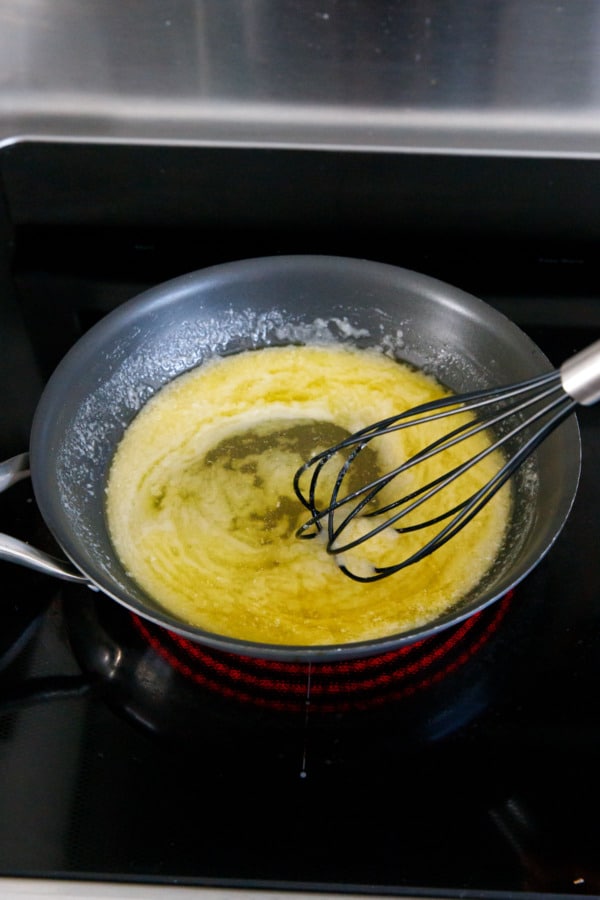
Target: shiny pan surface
109 374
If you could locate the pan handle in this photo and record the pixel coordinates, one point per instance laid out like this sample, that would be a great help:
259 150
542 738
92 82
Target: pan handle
14 469
12 549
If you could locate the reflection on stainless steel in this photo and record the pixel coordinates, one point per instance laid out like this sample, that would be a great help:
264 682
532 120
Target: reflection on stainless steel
516 76
13 470
14 550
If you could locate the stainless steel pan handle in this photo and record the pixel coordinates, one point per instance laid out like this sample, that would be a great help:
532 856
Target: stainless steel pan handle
12 549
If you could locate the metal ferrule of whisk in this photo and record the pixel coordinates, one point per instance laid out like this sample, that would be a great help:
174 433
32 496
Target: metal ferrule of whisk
580 375
519 417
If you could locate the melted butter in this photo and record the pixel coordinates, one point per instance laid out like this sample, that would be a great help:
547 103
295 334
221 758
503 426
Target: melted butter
203 515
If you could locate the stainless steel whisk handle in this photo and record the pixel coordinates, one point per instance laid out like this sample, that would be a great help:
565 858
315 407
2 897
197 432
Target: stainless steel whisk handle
580 375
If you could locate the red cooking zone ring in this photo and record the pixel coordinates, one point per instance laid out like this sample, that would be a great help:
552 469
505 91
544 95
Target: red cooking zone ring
350 685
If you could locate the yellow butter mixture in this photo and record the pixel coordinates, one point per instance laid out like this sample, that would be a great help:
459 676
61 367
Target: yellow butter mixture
202 512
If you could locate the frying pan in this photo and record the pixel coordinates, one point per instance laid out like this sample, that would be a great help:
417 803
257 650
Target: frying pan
110 373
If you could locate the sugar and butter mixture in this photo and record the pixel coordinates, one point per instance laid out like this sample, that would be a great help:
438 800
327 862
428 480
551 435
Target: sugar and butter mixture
202 512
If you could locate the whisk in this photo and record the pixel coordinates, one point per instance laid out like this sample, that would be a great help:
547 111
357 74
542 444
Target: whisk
520 416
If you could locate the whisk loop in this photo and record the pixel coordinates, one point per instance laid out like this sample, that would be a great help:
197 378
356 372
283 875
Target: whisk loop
519 417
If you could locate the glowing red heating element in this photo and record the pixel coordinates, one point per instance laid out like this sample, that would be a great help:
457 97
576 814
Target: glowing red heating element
348 685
